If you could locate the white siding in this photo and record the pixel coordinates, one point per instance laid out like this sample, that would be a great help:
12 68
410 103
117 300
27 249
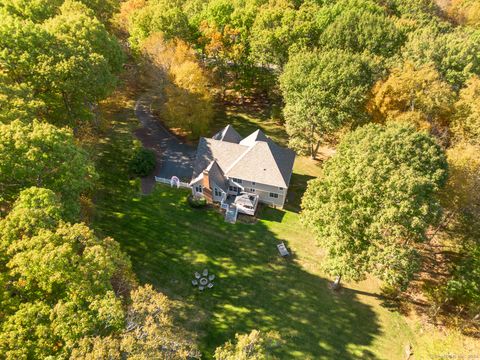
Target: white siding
263 191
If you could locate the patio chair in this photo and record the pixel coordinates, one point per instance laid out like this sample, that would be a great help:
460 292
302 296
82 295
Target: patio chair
211 277
205 272
201 287
194 282
197 275
210 285
283 249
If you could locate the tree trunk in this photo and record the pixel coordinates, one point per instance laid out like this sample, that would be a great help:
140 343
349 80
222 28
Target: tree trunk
337 283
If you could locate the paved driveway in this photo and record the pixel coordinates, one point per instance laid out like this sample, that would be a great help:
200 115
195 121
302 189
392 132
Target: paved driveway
173 156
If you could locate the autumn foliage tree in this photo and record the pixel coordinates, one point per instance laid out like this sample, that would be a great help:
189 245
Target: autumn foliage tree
466 121
414 94
186 102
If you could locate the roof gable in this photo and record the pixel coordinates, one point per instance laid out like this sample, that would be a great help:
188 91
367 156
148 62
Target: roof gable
229 134
257 135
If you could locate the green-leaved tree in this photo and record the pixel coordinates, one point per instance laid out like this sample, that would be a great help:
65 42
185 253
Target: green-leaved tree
376 200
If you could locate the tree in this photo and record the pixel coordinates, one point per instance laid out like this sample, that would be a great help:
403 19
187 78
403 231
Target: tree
409 89
39 154
253 346
466 121
375 201
453 51
59 280
69 61
18 101
159 16
186 99
465 12
461 197
323 91
278 26
149 334
358 27
40 10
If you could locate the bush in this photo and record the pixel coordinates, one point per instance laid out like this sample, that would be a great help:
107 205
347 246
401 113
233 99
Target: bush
197 201
143 162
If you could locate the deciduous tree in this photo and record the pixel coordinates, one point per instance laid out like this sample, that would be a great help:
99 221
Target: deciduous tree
324 91
375 200
466 122
187 103
150 333
59 280
417 90
253 346
39 154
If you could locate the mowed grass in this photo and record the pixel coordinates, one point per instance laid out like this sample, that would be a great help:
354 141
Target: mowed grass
168 241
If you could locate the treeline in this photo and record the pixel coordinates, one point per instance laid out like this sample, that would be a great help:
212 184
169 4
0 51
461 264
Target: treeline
65 292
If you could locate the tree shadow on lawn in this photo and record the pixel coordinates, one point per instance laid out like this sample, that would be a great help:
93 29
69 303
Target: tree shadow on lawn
255 288
298 186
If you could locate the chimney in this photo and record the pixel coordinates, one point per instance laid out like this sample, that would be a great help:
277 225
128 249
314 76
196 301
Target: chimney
207 192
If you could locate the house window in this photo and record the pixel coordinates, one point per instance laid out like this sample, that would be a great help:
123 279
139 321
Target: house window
280 188
252 190
217 192
198 188
274 195
254 183
238 181
233 188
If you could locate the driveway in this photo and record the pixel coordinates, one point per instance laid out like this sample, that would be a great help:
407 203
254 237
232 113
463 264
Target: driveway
173 156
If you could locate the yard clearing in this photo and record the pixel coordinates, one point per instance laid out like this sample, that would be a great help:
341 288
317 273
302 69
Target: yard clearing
255 288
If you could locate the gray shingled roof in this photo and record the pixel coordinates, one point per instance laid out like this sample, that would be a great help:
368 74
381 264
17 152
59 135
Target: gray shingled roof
265 163
225 153
255 158
228 133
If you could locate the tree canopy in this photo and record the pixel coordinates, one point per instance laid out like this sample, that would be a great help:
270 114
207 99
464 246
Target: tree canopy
375 200
69 61
324 91
419 91
39 154
58 278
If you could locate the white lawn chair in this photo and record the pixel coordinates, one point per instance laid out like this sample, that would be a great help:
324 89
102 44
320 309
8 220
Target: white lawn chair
205 272
197 275
211 277
210 285
194 282
201 287
283 249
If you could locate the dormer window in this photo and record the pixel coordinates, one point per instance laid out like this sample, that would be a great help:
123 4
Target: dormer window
238 181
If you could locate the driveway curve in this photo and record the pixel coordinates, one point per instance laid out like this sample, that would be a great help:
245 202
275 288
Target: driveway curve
173 156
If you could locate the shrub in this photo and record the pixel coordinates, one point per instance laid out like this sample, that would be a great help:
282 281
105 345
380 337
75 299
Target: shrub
197 201
143 162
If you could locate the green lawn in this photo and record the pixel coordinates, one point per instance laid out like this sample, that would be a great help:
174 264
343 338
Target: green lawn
255 289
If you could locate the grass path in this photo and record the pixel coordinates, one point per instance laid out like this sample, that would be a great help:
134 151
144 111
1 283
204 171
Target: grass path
255 288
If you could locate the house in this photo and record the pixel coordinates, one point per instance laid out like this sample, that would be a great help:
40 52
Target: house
243 171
